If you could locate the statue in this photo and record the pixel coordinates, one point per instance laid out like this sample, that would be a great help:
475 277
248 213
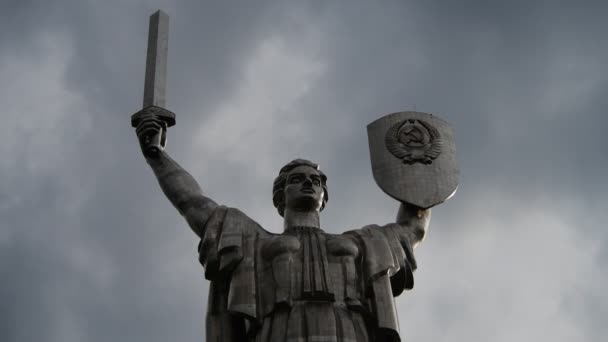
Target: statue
306 284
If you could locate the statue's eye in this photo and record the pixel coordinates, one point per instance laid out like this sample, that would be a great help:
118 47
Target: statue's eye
316 182
295 179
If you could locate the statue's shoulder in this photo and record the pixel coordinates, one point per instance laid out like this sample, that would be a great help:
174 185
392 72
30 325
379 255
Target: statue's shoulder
230 235
363 231
385 250
230 219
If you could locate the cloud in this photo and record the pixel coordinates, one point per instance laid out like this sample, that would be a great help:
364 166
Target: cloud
41 195
513 277
249 123
37 110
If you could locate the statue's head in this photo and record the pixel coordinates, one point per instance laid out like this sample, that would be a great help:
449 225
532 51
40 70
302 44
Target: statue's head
300 185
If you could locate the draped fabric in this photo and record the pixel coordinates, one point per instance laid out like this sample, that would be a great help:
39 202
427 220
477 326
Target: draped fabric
314 321
304 284
316 282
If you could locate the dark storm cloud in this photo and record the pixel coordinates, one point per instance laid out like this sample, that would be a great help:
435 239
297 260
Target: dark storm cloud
92 251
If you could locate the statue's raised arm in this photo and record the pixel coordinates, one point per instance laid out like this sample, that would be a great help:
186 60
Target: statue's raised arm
414 221
179 186
386 265
151 124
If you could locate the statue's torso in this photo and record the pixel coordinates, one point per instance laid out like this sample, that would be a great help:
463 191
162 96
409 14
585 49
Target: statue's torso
312 289
308 264
304 284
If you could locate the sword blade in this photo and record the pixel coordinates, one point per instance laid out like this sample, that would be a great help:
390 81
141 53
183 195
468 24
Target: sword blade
156 60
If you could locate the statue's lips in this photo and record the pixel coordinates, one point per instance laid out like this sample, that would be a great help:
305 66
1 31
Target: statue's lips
308 191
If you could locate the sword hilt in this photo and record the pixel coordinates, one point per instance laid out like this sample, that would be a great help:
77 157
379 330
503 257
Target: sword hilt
162 113
154 144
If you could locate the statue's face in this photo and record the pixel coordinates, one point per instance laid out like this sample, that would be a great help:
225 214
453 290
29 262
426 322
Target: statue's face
303 189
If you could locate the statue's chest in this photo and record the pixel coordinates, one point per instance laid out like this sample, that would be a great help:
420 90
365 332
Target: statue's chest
311 265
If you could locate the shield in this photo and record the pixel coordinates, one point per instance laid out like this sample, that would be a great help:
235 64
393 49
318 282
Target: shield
413 157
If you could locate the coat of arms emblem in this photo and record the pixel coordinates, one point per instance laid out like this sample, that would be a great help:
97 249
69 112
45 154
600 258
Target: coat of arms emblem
414 141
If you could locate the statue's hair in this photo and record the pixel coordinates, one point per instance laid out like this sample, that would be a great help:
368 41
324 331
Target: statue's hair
278 187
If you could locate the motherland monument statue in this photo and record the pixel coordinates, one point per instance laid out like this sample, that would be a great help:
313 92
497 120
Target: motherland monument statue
304 284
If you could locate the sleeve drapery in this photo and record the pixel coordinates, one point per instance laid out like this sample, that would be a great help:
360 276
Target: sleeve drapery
227 251
387 269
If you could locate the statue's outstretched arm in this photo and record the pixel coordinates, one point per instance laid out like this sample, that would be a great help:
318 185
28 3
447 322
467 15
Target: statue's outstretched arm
414 221
183 191
177 184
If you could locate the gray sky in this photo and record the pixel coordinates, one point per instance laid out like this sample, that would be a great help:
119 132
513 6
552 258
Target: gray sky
90 250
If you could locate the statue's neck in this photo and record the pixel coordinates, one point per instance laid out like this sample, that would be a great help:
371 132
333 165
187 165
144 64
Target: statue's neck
294 218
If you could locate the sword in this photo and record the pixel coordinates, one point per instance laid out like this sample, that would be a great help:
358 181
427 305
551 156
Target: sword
154 84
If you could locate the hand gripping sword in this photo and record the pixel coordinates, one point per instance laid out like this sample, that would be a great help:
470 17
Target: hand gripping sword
154 85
